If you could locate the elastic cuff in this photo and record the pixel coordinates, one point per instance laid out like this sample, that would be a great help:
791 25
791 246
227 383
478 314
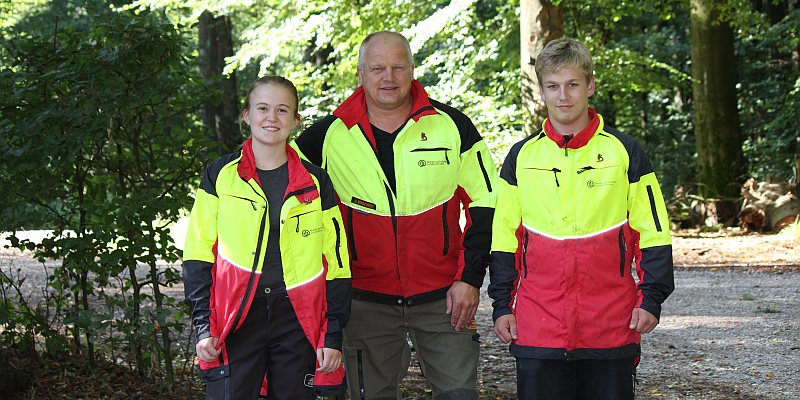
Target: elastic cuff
499 312
201 336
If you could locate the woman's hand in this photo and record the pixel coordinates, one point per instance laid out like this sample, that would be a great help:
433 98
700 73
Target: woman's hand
207 349
328 359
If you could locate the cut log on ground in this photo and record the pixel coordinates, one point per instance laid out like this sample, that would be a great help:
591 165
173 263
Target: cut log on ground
768 206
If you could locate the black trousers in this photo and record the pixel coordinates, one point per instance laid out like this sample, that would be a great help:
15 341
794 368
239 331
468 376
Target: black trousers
575 380
270 342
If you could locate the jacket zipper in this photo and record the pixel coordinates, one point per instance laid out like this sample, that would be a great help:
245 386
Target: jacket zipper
525 255
350 237
253 270
298 220
446 230
394 225
555 172
437 149
338 242
623 248
485 174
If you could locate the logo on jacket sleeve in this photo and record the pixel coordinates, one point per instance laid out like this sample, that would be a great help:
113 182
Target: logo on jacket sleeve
599 157
308 232
422 137
308 380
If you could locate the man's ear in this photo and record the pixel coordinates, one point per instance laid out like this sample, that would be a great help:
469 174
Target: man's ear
591 87
359 72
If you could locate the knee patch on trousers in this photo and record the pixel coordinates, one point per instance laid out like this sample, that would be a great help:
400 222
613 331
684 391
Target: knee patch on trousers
458 394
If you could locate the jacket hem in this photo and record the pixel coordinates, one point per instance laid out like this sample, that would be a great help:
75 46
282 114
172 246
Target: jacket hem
331 390
392 300
213 374
549 353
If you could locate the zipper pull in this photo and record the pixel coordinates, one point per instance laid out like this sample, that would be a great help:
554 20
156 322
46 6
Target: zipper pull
584 169
555 174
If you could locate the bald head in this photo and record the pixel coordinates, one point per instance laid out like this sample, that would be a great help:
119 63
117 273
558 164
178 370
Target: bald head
383 36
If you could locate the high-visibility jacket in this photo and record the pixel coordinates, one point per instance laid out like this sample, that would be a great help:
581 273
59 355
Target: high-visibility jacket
576 214
406 246
226 243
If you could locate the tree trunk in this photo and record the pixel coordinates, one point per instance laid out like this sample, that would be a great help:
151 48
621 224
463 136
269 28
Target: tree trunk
540 22
716 120
216 43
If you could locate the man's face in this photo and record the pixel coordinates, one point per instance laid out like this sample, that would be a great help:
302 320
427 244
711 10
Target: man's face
566 94
387 73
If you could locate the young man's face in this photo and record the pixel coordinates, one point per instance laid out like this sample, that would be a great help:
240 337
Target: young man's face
566 94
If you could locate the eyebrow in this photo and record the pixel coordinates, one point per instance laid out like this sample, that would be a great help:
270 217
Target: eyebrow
266 104
569 81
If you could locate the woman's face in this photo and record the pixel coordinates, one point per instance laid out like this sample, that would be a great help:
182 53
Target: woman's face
272 114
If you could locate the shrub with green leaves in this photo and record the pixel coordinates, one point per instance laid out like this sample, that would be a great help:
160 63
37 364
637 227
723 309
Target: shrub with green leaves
99 144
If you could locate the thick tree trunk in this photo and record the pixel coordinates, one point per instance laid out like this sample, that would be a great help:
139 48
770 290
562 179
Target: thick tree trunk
716 121
216 43
540 22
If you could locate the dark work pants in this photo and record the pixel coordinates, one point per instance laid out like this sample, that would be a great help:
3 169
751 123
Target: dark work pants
575 380
270 341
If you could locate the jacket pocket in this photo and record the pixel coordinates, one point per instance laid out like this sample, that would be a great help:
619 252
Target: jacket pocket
623 249
351 242
446 230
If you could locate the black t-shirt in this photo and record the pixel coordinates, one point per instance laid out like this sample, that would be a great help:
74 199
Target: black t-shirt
384 142
274 183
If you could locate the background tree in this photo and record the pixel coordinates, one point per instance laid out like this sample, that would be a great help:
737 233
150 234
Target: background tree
716 119
215 45
540 22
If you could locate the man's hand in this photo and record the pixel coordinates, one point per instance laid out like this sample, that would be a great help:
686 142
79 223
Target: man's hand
462 303
506 328
328 360
642 321
207 349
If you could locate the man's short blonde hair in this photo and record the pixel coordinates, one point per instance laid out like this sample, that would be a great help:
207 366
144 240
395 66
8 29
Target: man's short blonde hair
564 53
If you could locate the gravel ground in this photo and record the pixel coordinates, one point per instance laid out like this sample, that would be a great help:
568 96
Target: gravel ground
731 329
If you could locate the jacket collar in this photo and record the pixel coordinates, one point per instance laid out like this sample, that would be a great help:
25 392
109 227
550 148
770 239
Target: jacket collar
354 110
578 140
301 185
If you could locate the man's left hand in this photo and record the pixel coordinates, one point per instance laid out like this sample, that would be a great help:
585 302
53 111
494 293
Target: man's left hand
642 321
462 303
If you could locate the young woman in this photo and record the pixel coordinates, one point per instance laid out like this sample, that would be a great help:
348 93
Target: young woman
266 269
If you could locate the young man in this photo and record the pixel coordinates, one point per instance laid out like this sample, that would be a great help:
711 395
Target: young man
404 166
578 202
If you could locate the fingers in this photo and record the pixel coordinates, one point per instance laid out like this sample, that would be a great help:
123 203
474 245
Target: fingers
207 349
328 360
506 328
642 321
634 319
462 303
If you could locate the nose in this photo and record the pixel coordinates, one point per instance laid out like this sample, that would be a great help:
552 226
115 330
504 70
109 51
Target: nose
562 93
272 116
388 75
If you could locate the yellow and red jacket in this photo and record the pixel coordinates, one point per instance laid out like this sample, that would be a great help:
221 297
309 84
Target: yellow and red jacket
407 246
572 216
225 247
